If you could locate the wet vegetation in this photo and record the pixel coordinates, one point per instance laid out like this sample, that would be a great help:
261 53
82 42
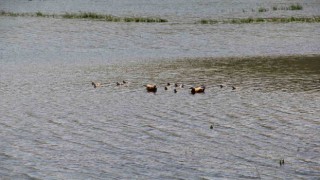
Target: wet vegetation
315 19
110 18
292 7
87 15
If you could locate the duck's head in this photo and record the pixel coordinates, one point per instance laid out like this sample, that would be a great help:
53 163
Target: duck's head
94 84
193 90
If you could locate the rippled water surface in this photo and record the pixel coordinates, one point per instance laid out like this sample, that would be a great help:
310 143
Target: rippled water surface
55 125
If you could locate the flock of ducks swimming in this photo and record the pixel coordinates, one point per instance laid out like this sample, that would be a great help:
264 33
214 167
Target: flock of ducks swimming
153 87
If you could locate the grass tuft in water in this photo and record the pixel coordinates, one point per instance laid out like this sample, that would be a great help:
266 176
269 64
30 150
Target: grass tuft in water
208 21
262 9
315 19
296 7
90 15
293 7
87 15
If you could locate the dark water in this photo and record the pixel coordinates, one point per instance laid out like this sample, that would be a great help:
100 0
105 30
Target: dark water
55 125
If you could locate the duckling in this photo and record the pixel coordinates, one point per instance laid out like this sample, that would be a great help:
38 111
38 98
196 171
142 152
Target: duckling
281 162
96 84
199 89
151 87
167 87
122 83
177 85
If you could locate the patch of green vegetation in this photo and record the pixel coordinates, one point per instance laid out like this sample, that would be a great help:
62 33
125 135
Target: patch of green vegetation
208 21
296 7
262 9
293 7
315 19
87 15
141 19
39 14
91 15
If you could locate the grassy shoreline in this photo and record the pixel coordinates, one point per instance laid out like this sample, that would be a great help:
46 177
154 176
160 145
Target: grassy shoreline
315 19
87 15
111 18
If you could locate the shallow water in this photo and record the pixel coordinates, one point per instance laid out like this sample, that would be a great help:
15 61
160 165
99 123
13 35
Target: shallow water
55 125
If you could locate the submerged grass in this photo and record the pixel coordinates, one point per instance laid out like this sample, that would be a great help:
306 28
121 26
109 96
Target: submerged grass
315 19
293 7
87 15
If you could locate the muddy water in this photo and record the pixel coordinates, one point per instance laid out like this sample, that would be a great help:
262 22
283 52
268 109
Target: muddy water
55 125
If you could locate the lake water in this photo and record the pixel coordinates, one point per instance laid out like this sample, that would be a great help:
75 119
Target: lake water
55 125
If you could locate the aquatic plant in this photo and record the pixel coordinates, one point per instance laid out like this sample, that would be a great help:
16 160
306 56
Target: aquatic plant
87 15
90 15
293 7
209 21
315 19
262 9
142 19
296 7
39 14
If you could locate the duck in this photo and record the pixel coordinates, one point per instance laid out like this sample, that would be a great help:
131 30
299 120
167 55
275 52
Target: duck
177 85
166 87
175 90
123 83
96 84
233 88
151 87
221 86
199 89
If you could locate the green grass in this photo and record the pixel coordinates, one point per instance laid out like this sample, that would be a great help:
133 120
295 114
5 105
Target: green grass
87 15
315 19
208 21
293 7
296 7
262 9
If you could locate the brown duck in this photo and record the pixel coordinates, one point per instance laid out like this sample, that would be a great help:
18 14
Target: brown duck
96 84
199 89
151 87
